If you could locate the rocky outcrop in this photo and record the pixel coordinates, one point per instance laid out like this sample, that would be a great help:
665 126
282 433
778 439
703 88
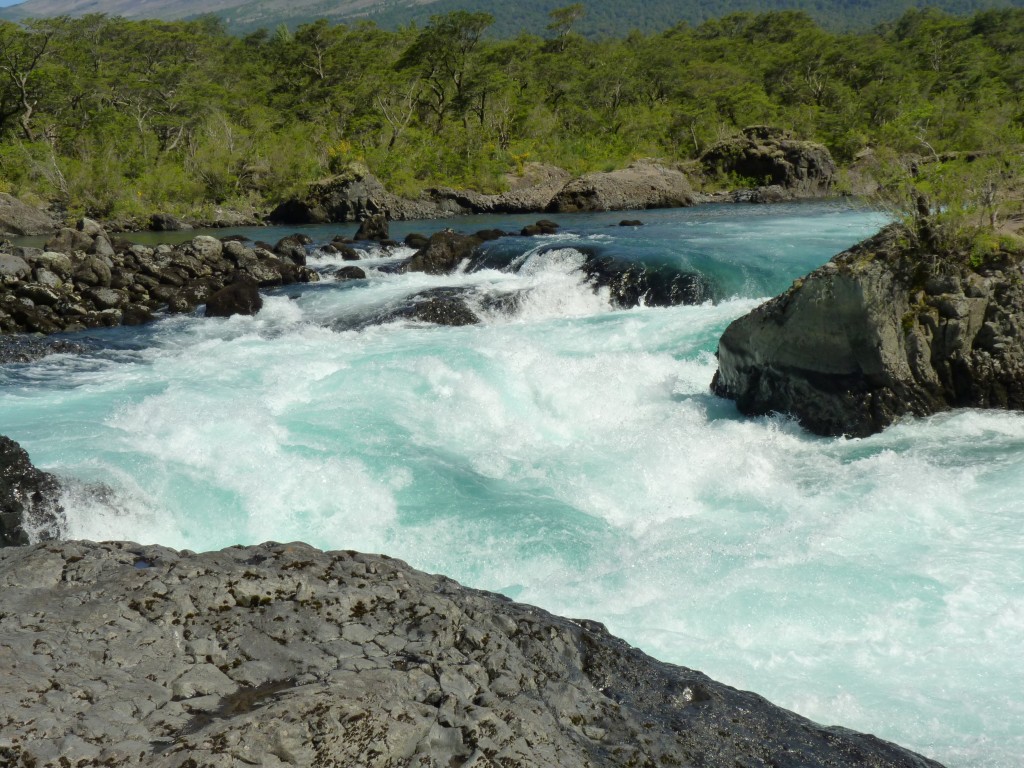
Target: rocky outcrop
357 195
83 278
18 218
771 158
645 184
883 330
129 655
29 498
353 195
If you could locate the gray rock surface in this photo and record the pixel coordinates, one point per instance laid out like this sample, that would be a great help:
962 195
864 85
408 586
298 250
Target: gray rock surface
644 184
129 655
18 218
884 329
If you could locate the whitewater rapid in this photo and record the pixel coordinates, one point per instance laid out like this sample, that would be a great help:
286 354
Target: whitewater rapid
569 454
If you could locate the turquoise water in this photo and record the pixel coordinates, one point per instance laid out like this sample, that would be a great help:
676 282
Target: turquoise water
570 455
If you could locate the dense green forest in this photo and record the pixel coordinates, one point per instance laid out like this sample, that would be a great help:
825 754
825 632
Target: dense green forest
118 118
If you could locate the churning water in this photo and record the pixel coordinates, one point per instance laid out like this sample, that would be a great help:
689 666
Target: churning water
569 454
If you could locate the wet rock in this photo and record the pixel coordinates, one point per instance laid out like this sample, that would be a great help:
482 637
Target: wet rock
885 329
253 653
29 498
443 253
240 298
415 240
632 284
350 273
373 227
486 235
293 248
19 348
440 306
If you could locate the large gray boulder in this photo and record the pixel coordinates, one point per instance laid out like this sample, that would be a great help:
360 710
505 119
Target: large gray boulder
129 655
644 184
18 218
883 330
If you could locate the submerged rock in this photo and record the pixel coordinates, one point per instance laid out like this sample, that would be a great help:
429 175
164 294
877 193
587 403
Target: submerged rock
883 330
440 306
144 656
29 498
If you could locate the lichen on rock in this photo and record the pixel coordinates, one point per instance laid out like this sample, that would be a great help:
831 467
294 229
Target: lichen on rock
888 328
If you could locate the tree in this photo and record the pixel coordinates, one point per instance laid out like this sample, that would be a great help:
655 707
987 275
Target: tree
443 55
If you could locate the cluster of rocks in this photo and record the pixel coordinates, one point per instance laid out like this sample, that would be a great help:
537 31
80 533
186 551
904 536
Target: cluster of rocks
84 278
280 654
888 328
356 194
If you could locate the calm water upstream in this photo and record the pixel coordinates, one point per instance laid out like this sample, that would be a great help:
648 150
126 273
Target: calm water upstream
570 455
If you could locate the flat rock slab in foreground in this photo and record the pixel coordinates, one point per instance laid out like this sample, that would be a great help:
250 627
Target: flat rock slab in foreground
119 654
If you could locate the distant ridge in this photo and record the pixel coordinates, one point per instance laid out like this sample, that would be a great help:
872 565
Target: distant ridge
602 17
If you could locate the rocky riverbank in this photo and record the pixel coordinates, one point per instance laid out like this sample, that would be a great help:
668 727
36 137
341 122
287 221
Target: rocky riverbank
894 326
85 278
280 654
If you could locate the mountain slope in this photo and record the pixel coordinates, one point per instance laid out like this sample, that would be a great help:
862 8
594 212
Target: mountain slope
602 17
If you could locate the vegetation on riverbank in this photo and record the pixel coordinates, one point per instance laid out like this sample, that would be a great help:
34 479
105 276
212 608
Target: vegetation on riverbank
109 118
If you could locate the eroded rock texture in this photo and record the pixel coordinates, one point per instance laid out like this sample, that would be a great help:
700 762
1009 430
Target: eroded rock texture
883 330
120 654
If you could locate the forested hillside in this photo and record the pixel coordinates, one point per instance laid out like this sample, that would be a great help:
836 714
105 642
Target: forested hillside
115 117
603 18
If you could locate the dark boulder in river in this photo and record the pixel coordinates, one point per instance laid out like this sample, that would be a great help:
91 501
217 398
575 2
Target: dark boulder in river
130 655
240 298
373 227
29 498
885 329
443 253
